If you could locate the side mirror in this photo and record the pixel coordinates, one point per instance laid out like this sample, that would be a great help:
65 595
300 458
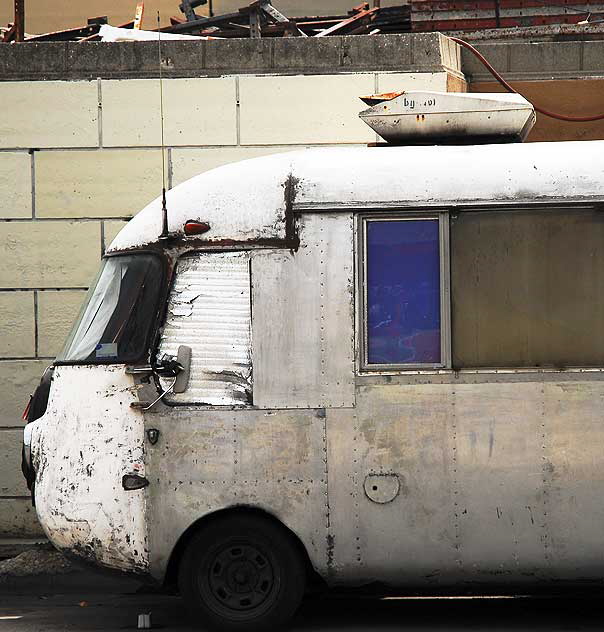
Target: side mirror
184 360
176 367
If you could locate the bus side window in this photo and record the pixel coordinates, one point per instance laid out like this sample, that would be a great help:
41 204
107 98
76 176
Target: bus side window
402 287
527 288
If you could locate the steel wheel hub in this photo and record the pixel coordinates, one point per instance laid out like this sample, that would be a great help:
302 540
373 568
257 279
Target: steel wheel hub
241 577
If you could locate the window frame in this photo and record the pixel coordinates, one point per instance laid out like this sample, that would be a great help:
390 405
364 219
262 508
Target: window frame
442 216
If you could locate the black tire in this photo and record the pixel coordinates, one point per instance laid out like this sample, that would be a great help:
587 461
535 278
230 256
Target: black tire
242 573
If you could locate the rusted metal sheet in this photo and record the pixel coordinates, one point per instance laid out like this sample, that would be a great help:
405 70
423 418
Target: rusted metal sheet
138 16
303 319
19 23
441 15
209 311
361 17
87 440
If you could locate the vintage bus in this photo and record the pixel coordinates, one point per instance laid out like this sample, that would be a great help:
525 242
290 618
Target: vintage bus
353 366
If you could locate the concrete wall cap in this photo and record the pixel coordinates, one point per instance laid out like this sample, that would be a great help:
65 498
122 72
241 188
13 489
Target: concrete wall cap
405 52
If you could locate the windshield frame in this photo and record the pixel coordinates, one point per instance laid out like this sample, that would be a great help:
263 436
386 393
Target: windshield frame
148 349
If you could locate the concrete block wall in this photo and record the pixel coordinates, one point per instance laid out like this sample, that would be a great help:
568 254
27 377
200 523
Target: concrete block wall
80 154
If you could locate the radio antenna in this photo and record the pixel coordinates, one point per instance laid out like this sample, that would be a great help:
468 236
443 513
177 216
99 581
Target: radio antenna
164 209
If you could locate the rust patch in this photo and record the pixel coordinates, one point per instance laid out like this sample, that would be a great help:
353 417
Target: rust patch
374 99
290 191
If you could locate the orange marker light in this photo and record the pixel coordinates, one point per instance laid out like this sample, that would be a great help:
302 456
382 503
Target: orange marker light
193 227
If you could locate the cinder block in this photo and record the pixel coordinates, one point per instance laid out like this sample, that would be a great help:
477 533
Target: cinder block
15 184
551 58
57 311
111 229
299 53
196 112
102 183
19 378
426 51
17 325
496 55
12 482
187 163
238 54
398 81
593 56
39 59
304 109
18 519
49 254
375 52
49 114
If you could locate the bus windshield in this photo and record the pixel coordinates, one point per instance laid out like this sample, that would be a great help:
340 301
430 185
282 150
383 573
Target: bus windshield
117 317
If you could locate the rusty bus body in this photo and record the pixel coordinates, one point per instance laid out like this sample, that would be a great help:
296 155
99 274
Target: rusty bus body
419 437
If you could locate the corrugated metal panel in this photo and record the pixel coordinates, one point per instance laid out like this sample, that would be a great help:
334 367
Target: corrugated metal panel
209 311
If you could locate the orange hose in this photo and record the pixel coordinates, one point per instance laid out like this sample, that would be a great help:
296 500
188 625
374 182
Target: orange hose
508 87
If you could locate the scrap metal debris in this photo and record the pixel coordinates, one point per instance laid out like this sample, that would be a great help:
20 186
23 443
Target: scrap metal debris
258 19
261 19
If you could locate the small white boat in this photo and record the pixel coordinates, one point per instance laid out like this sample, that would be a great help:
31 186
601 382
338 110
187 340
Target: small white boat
434 117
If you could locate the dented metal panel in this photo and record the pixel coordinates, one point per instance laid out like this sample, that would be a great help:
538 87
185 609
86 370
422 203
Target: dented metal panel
209 311
303 333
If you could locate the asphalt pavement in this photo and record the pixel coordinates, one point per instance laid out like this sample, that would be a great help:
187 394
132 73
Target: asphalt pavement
85 601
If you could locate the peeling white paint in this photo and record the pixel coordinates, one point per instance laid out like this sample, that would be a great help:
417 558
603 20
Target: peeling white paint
245 200
86 441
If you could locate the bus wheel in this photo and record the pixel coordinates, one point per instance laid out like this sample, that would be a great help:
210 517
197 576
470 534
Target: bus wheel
242 573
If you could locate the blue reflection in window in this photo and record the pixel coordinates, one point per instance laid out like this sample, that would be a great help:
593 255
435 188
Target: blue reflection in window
403 292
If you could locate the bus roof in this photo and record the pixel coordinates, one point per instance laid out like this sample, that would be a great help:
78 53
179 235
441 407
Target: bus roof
250 200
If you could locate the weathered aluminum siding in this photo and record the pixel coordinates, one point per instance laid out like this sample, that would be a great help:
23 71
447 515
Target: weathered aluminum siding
209 459
209 311
303 332
500 480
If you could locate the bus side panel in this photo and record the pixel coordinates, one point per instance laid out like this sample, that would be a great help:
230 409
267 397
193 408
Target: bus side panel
500 480
303 318
573 475
208 460
400 432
